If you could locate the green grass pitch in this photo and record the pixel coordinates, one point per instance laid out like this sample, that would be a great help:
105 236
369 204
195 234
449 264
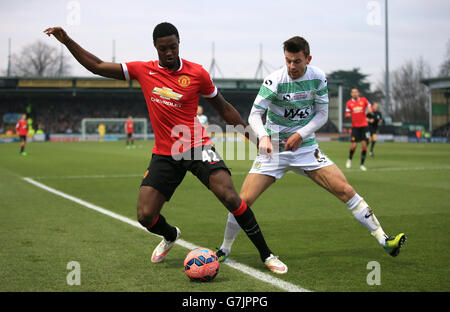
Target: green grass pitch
325 248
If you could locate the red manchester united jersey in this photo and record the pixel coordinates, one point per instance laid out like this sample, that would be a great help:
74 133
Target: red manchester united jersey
22 127
357 109
172 100
129 126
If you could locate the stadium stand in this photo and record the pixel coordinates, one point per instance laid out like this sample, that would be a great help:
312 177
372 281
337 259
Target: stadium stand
439 88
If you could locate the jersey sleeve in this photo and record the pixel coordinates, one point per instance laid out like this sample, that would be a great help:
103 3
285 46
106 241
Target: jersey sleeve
207 87
256 123
131 70
347 107
321 96
316 123
368 105
267 93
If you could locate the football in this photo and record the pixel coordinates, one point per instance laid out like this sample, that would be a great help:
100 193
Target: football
201 265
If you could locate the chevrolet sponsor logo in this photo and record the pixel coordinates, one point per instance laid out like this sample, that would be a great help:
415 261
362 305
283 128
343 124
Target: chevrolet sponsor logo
167 93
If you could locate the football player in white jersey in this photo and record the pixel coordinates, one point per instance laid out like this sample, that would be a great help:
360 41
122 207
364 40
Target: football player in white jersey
296 101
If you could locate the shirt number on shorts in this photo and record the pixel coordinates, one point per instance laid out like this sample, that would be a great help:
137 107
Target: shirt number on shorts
210 156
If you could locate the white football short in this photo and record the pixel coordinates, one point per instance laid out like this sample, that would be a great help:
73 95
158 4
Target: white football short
307 158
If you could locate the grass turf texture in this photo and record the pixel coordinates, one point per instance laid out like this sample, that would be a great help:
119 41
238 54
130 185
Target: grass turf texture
325 248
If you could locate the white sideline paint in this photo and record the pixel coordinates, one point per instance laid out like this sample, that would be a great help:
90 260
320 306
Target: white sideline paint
233 264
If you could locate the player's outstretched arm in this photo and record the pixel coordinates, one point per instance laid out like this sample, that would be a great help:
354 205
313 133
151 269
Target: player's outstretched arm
85 58
230 114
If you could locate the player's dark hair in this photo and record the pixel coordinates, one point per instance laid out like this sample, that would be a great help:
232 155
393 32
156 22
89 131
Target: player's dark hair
163 30
296 44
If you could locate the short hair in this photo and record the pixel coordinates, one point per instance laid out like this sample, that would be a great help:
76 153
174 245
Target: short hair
163 30
296 44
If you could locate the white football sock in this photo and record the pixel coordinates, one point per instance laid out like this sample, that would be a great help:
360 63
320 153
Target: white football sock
364 214
380 236
231 231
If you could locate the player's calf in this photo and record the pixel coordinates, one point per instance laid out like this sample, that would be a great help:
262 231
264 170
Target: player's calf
333 180
344 191
363 155
150 203
247 221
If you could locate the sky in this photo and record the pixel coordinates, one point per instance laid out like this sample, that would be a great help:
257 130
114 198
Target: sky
342 34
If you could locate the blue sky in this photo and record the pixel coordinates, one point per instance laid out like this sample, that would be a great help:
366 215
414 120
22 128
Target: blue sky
342 34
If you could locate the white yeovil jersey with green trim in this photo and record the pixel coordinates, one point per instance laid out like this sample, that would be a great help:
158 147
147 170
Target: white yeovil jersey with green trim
290 103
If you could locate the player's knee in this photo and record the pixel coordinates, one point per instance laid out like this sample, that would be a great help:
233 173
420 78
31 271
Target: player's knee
249 201
229 198
145 216
146 219
248 197
222 187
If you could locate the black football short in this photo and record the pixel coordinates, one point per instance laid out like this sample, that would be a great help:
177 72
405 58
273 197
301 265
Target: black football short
360 134
129 135
23 138
166 172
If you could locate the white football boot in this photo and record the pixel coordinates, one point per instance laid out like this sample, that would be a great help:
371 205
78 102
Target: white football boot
163 248
275 265
348 164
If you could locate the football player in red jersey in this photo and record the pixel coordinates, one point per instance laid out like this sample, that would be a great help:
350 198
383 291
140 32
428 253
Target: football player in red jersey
129 129
171 87
356 109
22 131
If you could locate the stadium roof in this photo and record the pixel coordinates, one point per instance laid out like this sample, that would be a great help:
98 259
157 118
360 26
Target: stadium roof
48 84
437 83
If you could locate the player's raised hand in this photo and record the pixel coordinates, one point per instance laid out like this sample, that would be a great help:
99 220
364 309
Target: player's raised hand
58 32
293 142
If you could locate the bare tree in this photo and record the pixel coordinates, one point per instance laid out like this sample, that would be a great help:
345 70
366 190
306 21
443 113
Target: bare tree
444 70
410 100
40 60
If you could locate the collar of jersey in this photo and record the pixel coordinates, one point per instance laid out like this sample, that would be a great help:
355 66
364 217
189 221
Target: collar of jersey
181 65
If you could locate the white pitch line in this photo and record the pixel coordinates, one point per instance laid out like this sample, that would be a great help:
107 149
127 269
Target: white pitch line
233 264
89 176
